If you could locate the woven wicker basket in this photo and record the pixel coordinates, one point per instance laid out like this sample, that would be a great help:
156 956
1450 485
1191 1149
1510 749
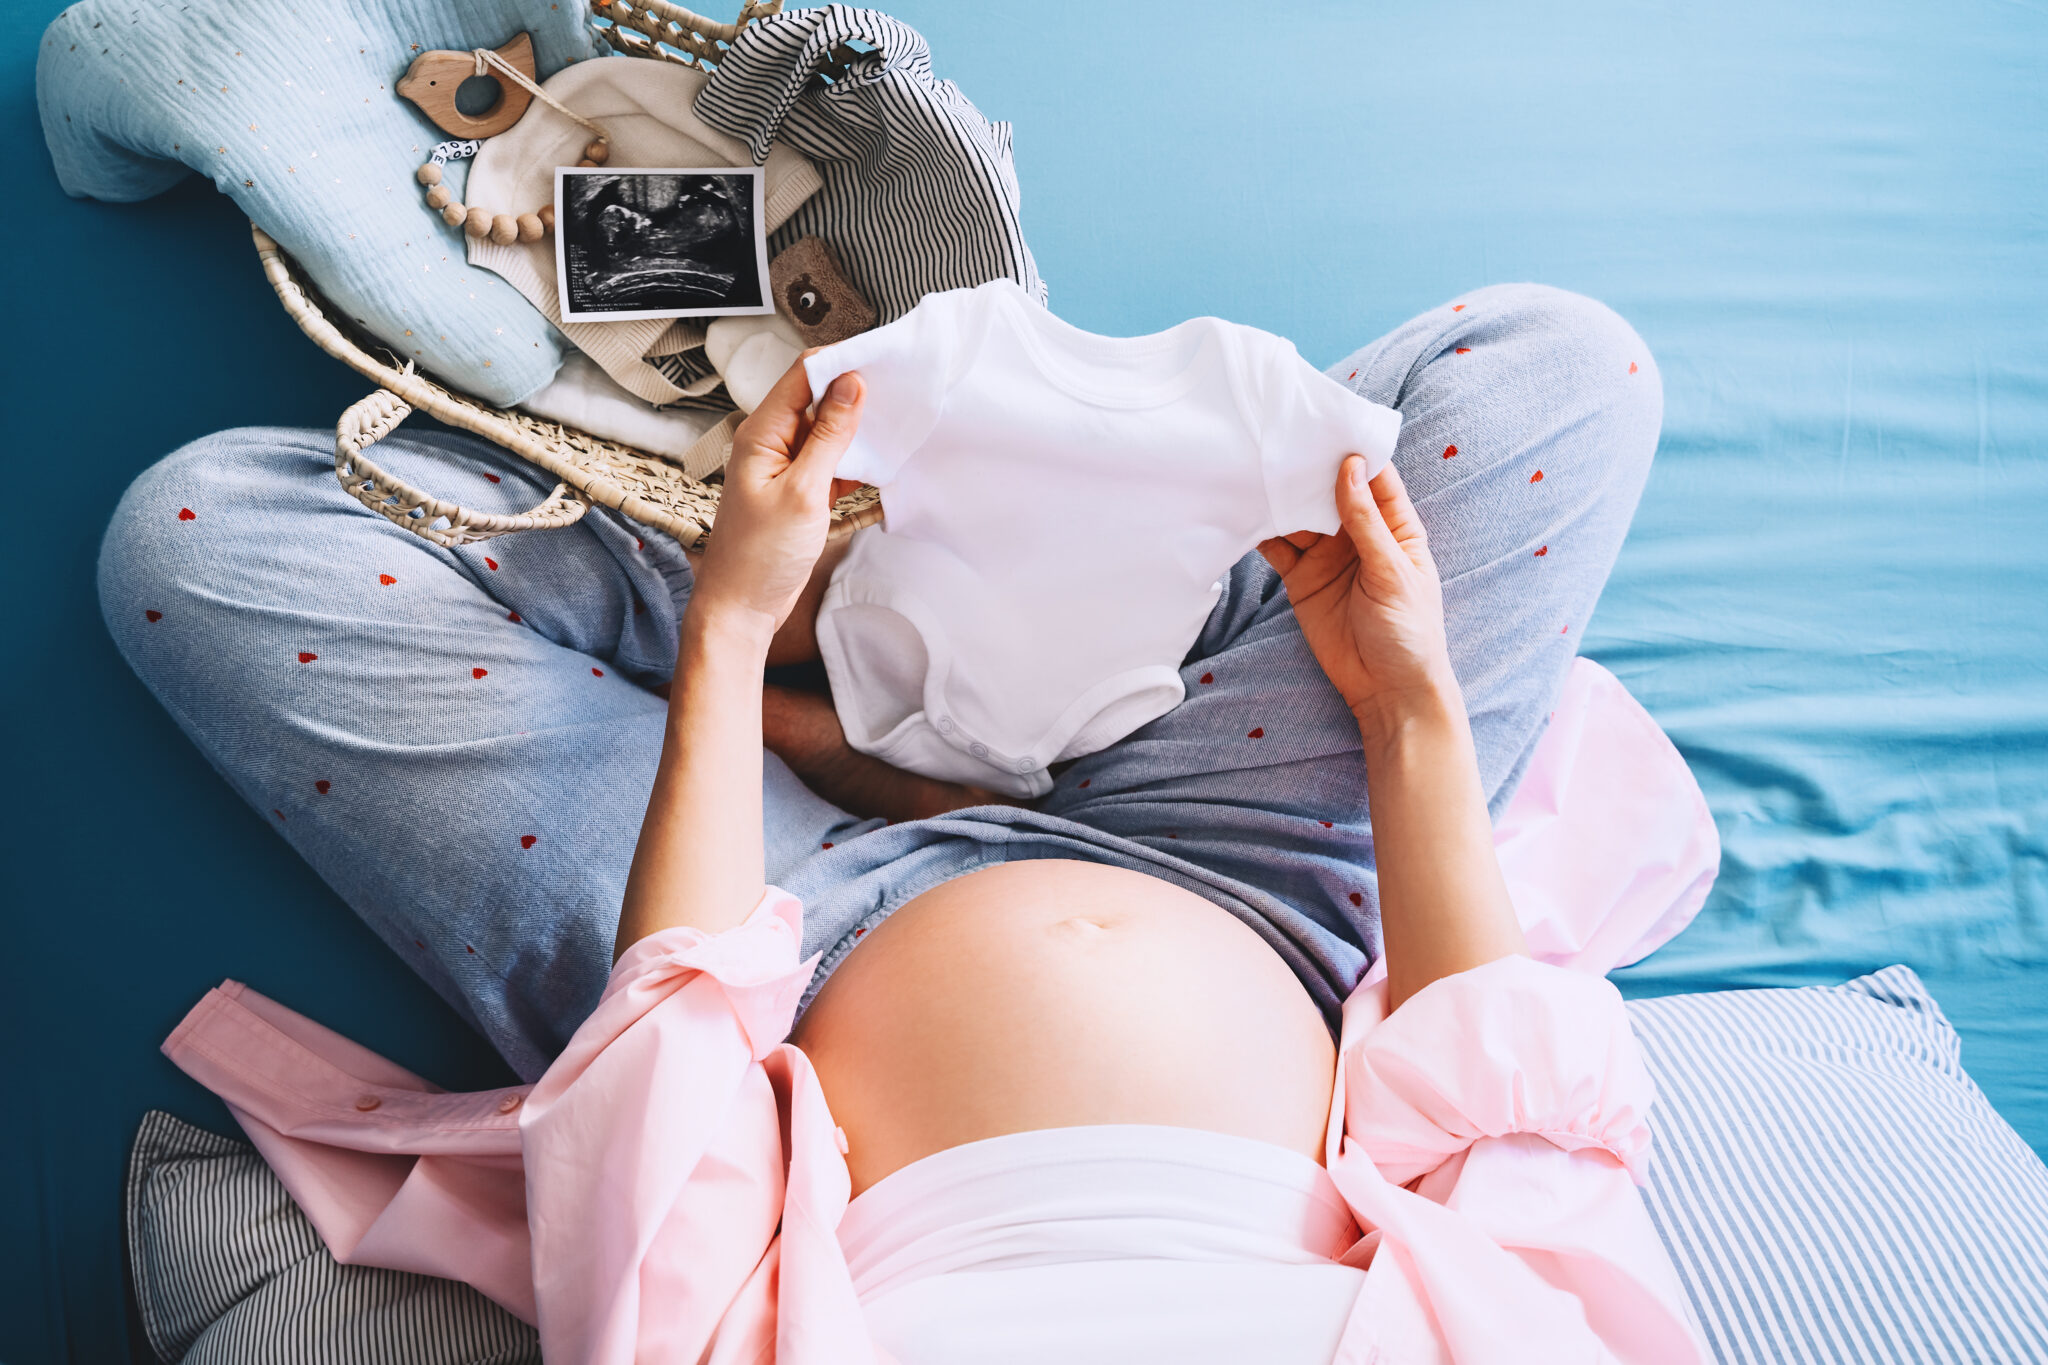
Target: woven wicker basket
645 487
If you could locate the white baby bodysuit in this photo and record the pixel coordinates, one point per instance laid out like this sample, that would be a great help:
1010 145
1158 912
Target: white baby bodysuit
1059 511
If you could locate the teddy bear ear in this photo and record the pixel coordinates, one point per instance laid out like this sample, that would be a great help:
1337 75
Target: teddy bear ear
814 294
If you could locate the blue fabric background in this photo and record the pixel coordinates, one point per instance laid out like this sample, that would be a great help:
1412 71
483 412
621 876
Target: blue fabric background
1828 220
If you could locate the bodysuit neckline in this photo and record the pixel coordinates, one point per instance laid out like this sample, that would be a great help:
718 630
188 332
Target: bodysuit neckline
1055 346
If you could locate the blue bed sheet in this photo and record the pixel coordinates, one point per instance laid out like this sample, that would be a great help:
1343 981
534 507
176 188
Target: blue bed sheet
1829 222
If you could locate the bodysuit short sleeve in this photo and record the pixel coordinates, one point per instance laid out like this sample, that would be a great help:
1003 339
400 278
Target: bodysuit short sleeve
1310 422
907 367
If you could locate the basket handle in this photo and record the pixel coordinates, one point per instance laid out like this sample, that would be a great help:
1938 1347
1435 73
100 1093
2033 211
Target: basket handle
368 421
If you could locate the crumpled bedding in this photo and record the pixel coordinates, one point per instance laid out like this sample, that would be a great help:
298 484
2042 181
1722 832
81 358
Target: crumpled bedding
1830 226
291 115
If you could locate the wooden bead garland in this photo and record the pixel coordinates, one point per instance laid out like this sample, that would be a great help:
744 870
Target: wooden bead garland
501 228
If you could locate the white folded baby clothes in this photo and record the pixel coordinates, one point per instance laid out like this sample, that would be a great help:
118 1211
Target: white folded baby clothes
1059 511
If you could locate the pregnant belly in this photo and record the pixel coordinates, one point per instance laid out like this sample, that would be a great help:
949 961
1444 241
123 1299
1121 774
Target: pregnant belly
1050 994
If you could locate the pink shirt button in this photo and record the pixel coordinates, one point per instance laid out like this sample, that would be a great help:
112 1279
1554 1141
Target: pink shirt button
368 1102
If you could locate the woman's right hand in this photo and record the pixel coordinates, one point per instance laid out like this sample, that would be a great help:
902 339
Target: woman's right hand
1368 599
777 503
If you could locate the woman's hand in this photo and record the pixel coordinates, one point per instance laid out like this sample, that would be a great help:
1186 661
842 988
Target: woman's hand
699 859
777 504
1368 599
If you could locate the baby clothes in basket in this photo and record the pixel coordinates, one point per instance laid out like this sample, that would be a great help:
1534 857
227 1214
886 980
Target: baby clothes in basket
1060 509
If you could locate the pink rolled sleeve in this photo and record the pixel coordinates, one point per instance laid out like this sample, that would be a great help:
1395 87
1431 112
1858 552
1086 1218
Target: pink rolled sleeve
1489 1136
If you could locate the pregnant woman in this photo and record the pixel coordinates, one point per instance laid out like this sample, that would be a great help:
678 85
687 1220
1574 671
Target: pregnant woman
1000 1084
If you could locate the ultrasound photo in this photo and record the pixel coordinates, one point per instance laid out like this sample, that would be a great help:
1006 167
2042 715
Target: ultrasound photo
659 243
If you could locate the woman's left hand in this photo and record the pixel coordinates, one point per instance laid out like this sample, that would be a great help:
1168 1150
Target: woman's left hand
777 503
1369 602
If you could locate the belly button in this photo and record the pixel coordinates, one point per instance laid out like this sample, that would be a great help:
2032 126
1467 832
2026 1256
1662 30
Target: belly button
1081 924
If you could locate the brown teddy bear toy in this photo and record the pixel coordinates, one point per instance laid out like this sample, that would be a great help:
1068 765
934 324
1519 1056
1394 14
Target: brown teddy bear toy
814 293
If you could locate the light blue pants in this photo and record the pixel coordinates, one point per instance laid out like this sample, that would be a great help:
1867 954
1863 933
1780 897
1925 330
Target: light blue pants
461 743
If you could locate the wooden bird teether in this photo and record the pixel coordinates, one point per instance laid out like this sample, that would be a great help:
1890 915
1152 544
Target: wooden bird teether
433 78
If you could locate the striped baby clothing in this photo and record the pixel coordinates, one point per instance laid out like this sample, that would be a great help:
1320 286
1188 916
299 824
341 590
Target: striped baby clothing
919 194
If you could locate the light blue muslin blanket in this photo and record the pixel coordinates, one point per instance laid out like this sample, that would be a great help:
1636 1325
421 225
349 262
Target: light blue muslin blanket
289 111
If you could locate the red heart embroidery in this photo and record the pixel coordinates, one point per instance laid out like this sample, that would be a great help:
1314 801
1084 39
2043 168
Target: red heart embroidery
528 840
1357 899
478 672
278 813
386 579
1631 367
639 544
1537 477
492 563
323 786
186 514
1173 836
306 657
1086 780
1542 550
153 616
1464 350
859 933
597 673
1208 677
1328 825
824 845
512 616
417 944
1457 308
1450 451
493 478
1259 733
467 949
1562 629
1352 375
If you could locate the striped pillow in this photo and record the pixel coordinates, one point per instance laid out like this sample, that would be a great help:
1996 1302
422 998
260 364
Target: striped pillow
229 1272
1834 1187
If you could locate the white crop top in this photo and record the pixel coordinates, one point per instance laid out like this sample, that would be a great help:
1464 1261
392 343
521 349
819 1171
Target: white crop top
1059 510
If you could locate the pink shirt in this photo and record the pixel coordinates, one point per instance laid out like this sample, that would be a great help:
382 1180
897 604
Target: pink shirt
671 1189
